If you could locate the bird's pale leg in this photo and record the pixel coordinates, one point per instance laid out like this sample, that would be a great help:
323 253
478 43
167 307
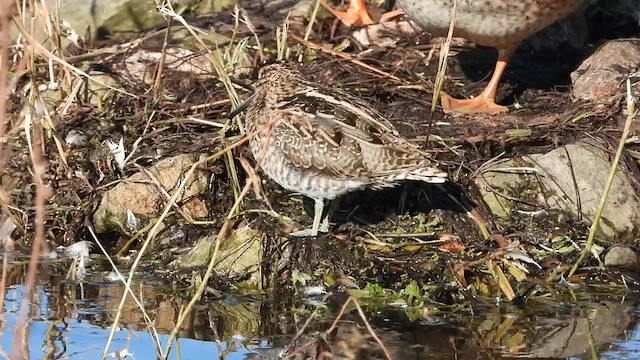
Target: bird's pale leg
318 208
356 14
485 102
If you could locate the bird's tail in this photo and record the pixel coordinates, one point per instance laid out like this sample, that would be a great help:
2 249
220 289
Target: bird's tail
426 174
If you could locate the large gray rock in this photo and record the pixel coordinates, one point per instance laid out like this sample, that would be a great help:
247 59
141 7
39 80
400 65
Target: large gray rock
570 178
239 255
601 77
114 15
140 195
126 15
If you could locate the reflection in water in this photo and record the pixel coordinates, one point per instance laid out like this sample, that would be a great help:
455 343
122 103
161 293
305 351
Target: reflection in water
70 321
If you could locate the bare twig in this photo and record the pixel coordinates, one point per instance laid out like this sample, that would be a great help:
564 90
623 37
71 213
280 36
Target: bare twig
346 57
442 66
355 302
631 114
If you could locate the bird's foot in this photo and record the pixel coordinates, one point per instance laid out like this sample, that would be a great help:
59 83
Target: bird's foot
478 105
356 14
324 228
304 233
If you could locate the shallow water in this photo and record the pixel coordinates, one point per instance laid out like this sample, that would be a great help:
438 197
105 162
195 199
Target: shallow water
71 321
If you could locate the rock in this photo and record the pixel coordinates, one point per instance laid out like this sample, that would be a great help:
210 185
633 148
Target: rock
600 78
575 336
141 196
125 16
116 15
299 9
621 256
493 182
6 228
98 93
239 255
571 178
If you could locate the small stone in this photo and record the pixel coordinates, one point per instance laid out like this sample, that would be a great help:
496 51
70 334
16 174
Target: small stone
239 255
600 78
140 195
621 256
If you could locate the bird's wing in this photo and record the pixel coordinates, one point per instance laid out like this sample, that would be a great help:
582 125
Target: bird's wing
338 135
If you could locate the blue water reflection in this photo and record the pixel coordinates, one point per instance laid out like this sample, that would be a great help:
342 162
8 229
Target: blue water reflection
71 326
75 337
628 349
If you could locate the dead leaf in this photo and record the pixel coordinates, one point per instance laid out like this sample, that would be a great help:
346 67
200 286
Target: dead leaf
502 280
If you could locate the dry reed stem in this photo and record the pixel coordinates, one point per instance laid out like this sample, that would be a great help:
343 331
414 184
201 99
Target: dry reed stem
4 67
147 319
631 114
36 47
20 344
252 174
5 8
8 249
39 243
157 83
307 32
281 39
442 67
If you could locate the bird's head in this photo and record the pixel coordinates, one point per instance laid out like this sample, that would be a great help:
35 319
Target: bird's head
275 82
278 79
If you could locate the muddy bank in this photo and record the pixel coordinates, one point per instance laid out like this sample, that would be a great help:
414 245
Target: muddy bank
525 185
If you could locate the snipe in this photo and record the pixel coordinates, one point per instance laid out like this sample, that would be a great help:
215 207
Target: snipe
323 142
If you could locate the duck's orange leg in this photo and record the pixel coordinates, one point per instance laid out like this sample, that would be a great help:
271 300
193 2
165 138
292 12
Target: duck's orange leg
356 14
485 102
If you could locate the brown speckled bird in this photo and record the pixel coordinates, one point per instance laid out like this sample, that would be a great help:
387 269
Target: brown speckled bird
323 142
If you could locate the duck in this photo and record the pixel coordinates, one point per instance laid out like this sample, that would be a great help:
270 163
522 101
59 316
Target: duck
355 15
500 24
323 142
